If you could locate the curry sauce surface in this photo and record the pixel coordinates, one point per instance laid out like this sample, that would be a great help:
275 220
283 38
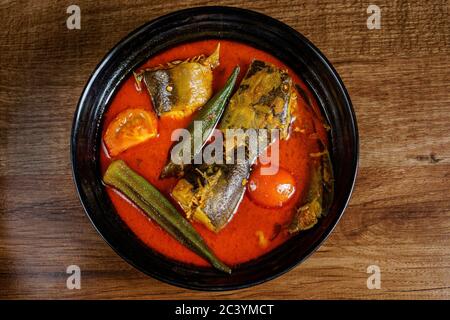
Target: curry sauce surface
238 242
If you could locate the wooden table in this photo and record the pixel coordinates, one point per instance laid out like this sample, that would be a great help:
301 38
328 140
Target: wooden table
399 216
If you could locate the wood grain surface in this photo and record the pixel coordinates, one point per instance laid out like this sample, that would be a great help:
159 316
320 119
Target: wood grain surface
399 216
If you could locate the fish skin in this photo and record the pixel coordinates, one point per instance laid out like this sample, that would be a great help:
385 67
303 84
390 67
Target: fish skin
228 192
162 99
261 101
179 88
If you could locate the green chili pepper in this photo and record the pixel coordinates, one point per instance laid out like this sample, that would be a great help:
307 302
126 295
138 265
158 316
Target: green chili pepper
209 115
159 209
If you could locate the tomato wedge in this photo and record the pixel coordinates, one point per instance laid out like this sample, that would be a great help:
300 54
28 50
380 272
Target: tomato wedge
129 128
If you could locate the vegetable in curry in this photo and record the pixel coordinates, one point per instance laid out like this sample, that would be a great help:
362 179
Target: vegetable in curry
219 214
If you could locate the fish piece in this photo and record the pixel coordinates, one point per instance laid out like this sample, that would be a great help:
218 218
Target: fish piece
319 196
211 194
179 88
262 100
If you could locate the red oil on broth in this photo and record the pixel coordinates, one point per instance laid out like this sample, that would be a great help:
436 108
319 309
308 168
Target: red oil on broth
239 241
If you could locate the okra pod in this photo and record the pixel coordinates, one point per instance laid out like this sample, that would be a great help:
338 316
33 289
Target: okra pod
159 209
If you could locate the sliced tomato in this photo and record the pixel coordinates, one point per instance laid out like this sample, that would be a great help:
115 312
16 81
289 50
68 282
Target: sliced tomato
271 191
129 128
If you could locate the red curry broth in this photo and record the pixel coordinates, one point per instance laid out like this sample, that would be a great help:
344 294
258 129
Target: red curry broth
238 242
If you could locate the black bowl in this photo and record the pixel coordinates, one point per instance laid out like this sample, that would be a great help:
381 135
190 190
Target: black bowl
246 26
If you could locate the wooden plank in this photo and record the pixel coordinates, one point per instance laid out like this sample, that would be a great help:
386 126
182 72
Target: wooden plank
399 216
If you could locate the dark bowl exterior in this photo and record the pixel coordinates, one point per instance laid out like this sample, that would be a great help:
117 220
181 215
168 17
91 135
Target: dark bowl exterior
193 24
